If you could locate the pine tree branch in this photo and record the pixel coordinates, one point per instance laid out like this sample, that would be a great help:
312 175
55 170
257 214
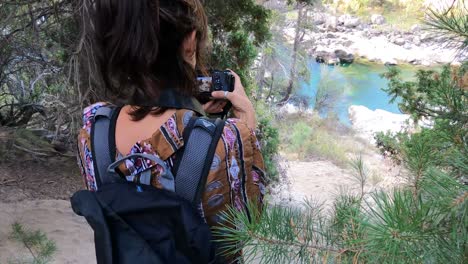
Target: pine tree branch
461 199
451 24
271 241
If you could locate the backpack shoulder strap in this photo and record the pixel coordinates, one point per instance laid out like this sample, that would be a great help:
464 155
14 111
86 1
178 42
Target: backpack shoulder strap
101 146
194 164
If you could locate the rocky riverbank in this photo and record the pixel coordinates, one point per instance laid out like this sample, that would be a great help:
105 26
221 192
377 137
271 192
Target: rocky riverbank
367 122
341 39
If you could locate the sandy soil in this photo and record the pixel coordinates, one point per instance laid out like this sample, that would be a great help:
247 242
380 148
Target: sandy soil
321 181
73 236
35 194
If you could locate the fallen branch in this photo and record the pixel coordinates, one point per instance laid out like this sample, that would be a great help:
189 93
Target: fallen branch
6 182
31 151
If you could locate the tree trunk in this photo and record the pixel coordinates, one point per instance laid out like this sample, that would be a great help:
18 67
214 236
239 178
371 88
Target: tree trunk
297 42
261 77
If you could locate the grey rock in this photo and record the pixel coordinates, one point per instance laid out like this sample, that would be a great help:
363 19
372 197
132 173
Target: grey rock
321 56
319 18
348 21
375 32
331 23
417 41
342 18
390 62
333 60
425 63
415 27
425 37
352 22
344 57
377 19
399 41
347 43
407 46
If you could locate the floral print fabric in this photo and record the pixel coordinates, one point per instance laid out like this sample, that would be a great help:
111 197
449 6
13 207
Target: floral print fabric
237 172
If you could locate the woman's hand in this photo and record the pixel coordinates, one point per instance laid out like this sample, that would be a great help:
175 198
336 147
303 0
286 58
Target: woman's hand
241 105
214 106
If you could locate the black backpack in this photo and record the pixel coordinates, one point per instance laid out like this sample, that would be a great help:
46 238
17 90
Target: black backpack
138 223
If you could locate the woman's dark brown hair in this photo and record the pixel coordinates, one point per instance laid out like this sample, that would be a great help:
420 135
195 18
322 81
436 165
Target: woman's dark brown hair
139 49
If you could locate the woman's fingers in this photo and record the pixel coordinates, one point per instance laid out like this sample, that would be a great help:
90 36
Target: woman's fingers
222 95
208 106
214 106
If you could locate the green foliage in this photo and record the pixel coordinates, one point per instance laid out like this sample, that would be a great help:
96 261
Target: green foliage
327 95
442 99
451 23
432 95
299 134
37 244
280 235
406 228
396 227
402 14
237 28
390 144
346 224
268 135
314 138
361 173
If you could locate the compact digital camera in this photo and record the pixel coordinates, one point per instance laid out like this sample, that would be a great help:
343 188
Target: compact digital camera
218 81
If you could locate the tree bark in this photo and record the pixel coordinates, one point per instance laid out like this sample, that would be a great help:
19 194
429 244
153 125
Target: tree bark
297 42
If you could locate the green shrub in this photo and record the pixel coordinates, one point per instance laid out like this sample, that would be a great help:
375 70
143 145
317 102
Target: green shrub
268 137
37 244
389 144
314 139
300 136
396 227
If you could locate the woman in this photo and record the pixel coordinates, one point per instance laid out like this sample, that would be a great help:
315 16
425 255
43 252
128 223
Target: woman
143 47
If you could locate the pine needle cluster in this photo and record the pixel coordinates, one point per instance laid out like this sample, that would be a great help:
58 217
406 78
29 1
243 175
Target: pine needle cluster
40 248
451 24
397 227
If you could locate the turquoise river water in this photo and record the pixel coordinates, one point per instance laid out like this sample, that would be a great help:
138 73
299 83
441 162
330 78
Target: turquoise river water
358 83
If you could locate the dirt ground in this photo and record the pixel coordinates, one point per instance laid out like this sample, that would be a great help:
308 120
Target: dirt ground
36 194
54 178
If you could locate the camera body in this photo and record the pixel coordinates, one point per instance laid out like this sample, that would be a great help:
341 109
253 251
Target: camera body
218 81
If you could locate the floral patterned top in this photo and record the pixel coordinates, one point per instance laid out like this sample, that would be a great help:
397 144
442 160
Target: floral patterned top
236 175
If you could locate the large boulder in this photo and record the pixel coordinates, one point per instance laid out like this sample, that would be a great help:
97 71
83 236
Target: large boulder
319 18
377 19
417 40
415 28
326 57
399 41
321 56
352 23
390 62
349 21
344 57
426 36
367 122
331 23
333 60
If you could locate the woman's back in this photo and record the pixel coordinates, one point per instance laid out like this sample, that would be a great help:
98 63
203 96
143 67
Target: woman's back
236 175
